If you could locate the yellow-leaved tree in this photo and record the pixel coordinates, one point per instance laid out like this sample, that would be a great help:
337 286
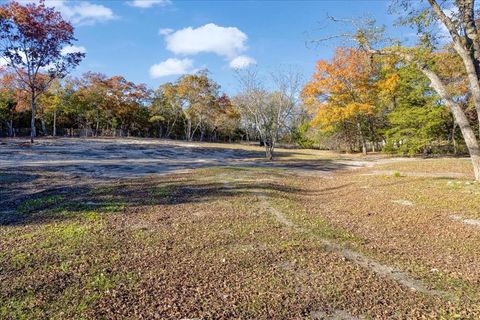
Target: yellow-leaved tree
343 95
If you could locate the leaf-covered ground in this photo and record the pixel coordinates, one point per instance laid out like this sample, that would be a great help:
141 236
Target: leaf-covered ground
244 242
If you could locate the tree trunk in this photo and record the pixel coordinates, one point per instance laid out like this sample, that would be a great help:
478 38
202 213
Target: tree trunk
472 78
33 132
454 141
54 131
460 44
10 127
269 143
160 131
189 129
362 138
268 151
372 133
467 10
460 118
97 124
44 127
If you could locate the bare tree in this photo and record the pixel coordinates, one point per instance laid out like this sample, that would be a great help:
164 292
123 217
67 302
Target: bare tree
252 104
288 84
269 112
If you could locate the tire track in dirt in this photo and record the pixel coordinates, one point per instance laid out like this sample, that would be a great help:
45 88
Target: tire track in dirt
302 275
356 257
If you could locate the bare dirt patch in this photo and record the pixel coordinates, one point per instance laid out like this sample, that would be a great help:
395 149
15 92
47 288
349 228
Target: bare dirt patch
105 159
472 222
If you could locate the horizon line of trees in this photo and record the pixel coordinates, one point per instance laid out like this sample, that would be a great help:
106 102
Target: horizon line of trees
192 108
370 97
352 103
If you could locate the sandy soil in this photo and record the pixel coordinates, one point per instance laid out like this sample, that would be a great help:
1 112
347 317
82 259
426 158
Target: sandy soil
130 158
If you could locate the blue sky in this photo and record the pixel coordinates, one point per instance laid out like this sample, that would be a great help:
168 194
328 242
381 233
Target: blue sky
153 41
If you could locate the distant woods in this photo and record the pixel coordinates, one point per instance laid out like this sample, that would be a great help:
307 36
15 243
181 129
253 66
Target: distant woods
192 108
363 103
352 103
423 99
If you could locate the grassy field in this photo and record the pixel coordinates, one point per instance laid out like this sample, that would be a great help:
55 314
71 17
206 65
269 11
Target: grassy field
394 239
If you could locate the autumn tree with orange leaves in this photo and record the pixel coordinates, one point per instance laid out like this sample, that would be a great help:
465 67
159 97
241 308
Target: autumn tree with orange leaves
460 19
342 94
109 105
32 37
9 100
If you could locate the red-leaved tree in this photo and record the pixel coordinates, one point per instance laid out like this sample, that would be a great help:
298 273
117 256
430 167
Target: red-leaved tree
32 37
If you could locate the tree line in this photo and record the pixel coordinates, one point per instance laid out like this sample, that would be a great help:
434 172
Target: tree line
362 103
191 108
374 95
97 105
353 103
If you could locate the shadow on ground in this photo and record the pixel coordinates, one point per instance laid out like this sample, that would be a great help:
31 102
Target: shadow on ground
34 198
54 178
129 158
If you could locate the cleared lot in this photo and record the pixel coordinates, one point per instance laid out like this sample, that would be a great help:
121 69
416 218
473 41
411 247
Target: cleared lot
127 158
232 236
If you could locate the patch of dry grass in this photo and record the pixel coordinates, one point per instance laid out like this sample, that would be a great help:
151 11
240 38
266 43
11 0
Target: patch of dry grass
203 245
432 166
405 222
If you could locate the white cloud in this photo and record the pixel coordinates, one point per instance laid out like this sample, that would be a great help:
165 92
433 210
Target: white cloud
6 62
73 49
165 31
83 12
149 3
228 42
241 62
171 67
3 62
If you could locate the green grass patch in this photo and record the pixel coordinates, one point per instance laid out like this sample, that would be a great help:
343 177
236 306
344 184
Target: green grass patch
162 191
67 236
92 216
39 203
21 308
111 207
21 259
87 209
104 190
99 284
70 232
397 174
